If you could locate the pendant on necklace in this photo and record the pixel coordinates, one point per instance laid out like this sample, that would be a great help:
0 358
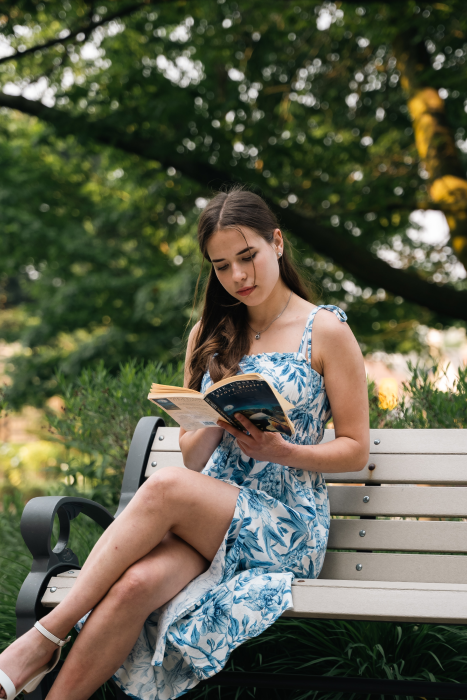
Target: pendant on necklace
257 336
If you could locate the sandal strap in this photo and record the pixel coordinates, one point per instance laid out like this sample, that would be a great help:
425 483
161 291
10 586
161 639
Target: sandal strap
8 686
52 637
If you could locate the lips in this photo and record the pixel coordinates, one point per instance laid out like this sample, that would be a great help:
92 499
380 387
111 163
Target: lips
246 291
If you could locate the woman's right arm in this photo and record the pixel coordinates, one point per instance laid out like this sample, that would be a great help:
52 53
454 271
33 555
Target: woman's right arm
197 445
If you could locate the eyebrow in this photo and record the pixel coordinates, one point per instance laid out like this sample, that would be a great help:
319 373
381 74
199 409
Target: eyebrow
240 252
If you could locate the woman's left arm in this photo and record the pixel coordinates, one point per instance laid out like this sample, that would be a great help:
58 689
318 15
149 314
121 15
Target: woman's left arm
337 356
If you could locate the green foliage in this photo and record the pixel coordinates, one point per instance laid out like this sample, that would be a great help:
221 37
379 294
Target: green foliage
100 413
15 564
151 111
423 404
426 406
354 649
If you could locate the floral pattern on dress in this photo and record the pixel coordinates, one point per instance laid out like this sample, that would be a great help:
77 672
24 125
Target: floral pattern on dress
279 531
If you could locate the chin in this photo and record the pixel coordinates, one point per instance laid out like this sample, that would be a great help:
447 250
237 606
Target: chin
254 299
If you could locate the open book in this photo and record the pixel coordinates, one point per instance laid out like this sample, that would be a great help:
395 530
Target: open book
248 394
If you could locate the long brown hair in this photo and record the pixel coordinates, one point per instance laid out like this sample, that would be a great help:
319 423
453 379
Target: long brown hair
223 338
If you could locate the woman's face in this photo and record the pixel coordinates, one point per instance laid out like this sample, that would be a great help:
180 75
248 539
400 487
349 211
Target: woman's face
232 256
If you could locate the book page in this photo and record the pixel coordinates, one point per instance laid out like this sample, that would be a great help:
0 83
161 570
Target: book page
189 411
164 390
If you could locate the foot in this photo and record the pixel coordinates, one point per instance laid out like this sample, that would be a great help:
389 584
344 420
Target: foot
25 656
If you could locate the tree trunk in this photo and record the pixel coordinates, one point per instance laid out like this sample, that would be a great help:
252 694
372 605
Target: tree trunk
434 140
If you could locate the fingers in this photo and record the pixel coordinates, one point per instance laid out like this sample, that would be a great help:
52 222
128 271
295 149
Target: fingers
252 429
230 429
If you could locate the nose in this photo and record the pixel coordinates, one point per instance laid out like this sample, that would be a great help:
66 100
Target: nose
238 274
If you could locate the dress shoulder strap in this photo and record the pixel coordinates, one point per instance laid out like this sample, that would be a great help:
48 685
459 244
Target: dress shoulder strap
305 345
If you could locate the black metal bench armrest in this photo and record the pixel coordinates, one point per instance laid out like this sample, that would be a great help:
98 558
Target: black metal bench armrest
37 528
137 459
38 519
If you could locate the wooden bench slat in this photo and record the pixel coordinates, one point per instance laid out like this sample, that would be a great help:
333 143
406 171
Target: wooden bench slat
352 600
389 469
398 535
441 502
408 469
61 585
62 582
417 568
51 600
169 442
403 441
347 599
423 441
400 474
163 459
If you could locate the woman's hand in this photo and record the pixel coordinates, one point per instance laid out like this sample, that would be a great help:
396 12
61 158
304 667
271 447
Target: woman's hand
198 445
259 445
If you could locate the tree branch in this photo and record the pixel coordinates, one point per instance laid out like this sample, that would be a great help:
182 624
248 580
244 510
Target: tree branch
86 30
332 243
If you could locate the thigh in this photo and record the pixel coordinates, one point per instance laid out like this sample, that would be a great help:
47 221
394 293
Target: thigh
205 513
196 507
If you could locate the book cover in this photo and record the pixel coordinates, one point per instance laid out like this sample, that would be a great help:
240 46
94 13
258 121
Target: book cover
255 400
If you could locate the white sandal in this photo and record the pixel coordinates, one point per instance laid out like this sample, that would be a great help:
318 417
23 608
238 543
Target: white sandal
32 683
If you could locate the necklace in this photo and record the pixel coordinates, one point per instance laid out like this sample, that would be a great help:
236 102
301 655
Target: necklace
258 333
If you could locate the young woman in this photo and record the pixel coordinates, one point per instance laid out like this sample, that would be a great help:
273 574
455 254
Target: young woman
213 549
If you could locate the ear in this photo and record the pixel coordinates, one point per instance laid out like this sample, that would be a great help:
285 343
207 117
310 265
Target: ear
278 241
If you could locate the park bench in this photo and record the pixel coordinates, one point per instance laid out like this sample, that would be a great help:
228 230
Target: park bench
388 558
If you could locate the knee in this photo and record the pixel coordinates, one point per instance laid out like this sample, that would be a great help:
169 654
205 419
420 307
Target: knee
165 484
133 586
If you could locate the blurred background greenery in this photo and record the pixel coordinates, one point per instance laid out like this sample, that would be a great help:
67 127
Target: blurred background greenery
118 120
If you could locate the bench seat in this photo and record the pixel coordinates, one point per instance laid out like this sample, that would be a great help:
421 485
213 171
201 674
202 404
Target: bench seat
442 603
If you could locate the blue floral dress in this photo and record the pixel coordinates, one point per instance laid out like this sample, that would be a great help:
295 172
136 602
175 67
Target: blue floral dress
279 531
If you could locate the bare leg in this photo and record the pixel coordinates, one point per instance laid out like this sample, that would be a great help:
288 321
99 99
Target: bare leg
114 625
193 506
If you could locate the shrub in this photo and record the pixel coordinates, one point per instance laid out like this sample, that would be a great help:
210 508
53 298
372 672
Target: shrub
100 413
423 404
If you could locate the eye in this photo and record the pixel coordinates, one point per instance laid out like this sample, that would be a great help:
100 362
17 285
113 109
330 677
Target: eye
224 267
251 257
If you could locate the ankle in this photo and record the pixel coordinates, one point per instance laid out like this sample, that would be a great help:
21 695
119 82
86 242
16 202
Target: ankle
56 627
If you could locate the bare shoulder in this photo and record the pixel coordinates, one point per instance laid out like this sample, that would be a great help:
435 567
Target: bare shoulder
327 327
332 339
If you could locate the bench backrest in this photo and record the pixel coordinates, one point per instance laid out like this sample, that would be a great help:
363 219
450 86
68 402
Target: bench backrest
389 529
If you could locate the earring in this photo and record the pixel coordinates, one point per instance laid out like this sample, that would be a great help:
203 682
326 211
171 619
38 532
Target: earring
279 255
